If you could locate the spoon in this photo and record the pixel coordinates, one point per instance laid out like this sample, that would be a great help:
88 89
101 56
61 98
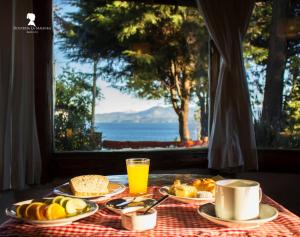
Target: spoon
157 203
126 202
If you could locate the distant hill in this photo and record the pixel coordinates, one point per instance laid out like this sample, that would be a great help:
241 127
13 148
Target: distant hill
155 114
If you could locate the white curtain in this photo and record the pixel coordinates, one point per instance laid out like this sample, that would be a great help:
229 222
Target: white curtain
20 161
232 142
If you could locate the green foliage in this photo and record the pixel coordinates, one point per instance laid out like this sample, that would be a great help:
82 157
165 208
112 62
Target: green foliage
72 111
292 108
78 32
154 38
147 39
256 51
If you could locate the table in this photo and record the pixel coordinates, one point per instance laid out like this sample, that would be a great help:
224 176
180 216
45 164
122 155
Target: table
174 219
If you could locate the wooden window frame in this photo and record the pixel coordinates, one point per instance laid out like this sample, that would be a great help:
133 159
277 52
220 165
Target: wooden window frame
112 162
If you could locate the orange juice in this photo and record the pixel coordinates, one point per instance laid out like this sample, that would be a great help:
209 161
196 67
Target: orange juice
138 172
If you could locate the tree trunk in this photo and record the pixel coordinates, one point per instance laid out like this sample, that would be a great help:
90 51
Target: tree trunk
94 95
183 120
273 95
203 116
180 92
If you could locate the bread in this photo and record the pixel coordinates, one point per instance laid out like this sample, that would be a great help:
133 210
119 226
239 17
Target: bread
89 185
176 184
205 184
185 190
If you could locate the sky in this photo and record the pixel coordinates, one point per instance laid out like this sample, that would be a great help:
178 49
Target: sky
117 101
114 100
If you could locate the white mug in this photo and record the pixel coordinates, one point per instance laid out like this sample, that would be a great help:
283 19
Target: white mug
237 199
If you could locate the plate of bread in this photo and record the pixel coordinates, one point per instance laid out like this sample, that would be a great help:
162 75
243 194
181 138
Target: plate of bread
92 187
55 211
198 191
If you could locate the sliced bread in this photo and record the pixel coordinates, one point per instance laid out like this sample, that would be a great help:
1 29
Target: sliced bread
89 185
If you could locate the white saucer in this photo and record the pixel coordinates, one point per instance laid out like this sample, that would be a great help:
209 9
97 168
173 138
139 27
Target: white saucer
266 213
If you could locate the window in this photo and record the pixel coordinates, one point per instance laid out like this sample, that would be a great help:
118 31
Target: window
129 75
126 74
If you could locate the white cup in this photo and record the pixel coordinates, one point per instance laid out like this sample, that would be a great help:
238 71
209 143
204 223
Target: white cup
237 199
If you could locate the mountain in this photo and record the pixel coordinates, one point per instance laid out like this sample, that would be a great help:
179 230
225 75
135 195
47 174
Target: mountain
155 114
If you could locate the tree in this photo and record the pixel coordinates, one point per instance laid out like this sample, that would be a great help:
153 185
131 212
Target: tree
270 48
152 51
273 96
256 52
202 94
77 37
171 61
72 111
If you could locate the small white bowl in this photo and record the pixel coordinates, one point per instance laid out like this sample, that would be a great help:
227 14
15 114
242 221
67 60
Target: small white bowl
137 221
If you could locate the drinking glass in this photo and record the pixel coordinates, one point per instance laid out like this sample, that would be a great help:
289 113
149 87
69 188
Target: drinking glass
138 172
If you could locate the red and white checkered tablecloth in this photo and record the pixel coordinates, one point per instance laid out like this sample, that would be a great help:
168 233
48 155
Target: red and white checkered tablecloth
174 219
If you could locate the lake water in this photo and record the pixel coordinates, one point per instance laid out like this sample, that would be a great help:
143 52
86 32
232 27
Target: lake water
141 131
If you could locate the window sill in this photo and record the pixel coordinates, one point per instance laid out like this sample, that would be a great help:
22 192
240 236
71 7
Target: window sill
113 162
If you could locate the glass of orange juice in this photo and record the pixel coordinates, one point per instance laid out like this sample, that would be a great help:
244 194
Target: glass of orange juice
138 172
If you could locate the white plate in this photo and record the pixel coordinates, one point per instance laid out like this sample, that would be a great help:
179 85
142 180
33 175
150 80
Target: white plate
11 212
266 213
198 201
128 209
113 188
